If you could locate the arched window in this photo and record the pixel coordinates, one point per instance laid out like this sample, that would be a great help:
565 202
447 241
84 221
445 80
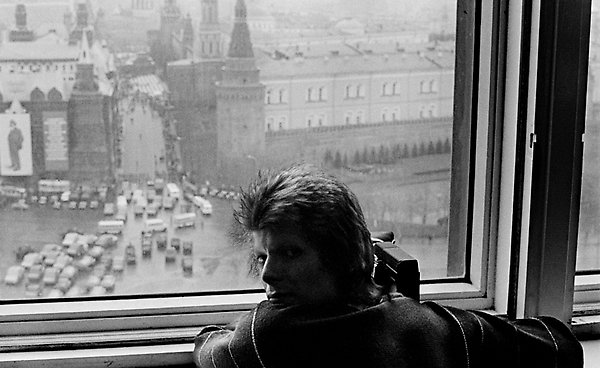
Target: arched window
54 95
349 91
309 94
384 89
37 95
396 88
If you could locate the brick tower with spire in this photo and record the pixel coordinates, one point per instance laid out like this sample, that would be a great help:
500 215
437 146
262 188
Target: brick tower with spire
90 157
240 107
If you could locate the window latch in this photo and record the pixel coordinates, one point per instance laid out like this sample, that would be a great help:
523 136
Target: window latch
532 139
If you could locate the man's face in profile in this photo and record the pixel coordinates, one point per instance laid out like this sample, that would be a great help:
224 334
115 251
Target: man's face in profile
292 271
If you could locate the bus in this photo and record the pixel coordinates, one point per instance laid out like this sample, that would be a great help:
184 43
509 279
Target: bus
53 186
204 205
184 220
173 191
110 226
12 191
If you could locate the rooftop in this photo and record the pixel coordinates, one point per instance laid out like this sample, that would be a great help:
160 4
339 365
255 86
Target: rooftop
376 63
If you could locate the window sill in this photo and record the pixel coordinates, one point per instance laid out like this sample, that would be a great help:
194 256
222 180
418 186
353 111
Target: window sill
124 356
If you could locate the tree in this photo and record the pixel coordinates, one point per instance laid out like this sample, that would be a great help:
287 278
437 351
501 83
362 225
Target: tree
337 161
345 160
447 147
327 158
365 156
356 159
415 151
430 148
405 152
439 147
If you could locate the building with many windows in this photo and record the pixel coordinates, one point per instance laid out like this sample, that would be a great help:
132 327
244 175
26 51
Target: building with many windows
65 86
311 91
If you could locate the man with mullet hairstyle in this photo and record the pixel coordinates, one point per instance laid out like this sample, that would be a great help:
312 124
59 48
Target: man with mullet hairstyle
314 254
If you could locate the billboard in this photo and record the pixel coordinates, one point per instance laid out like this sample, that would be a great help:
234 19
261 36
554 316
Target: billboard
56 144
15 145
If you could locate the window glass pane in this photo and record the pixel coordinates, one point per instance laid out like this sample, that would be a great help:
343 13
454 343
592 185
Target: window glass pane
588 249
149 116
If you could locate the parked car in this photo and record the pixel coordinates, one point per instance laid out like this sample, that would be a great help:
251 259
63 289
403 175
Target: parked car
76 249
31 259
109 209
43 200
33 290
100 270
72 206
56 205
83 205
108 282
75 291
107 240
50 276
92 281
86 262
55 293
152 210
176 243
35 273
51 258
97 290
14 275
146 247
94 205
48 249
161 241
130 256
118 263
20 205
63 284
96 251
187 264
62 261
69 272
170 254
187 247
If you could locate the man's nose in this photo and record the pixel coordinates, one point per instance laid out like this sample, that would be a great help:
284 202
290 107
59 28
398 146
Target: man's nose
271 271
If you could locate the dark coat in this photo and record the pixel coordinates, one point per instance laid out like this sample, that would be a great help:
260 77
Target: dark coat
398 332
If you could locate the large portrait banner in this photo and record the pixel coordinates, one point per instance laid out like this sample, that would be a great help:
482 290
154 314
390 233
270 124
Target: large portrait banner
15 145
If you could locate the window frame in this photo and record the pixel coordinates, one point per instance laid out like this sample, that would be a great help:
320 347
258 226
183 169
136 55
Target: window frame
480 106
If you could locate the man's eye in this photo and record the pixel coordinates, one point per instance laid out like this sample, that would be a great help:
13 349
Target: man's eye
292 253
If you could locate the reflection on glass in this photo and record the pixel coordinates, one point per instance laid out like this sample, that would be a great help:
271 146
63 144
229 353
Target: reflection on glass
141 120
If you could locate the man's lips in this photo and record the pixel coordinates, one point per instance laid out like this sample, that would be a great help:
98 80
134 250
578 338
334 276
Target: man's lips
278 296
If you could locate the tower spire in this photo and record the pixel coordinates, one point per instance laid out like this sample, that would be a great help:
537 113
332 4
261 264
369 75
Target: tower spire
240 46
